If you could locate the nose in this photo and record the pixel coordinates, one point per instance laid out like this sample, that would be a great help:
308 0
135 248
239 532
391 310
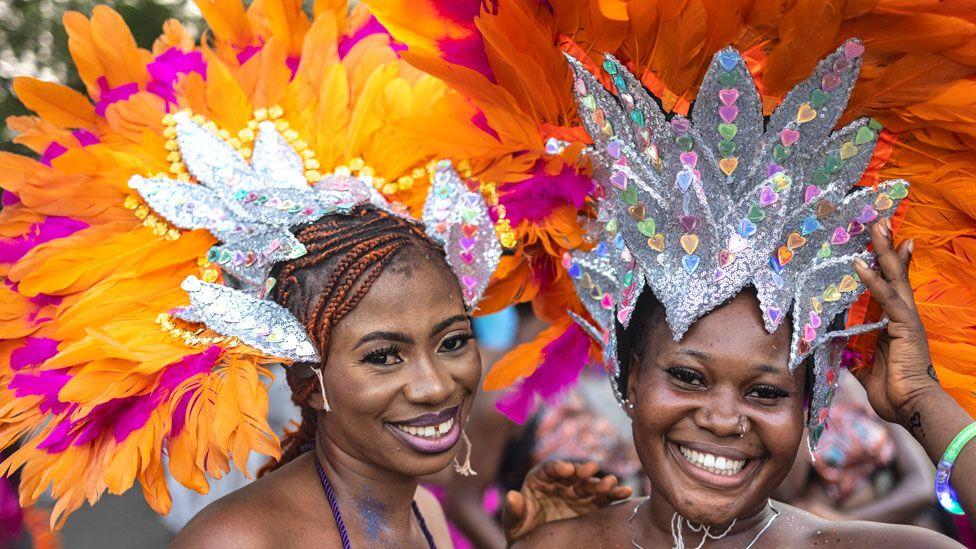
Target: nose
432 382
720 414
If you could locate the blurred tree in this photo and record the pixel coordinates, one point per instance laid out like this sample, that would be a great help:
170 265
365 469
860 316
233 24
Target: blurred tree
33 41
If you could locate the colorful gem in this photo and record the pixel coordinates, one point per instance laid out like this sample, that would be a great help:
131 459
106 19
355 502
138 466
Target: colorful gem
801 348
726 148
725 258
629 195
781 182
610 66
684 179
818 98
775 314
832 164
737 242
817 307
831 293
613 148
637 211
719 274
853 49
810 193
805 114
825 208
788 136
689 159
840 236
690 263
728 79
824 251
728 96
875 124
580 86
868 214
756 214
746 229
647 227
841 64
728 165
656 242
809 225
847 284
847 150
637 116
680 125
855 227
794 241
619 179
685 142
689 242
883 202
728 59
784 255
728 131
898 191
689 222
645 135
566 261
780 153
809 334
606 302
830 81
820 178
728 113
815 318
864 135
599 117
589 102
768 196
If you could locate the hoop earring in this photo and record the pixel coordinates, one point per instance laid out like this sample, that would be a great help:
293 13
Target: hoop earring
325 399
464 469
742 428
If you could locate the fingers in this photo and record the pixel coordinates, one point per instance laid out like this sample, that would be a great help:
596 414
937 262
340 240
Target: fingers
513 513
894 264
884 293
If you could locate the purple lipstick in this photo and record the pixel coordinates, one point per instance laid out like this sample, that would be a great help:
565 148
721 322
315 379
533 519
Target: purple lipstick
430 433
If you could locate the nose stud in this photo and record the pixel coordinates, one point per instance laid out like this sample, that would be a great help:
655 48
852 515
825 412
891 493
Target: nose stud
742 427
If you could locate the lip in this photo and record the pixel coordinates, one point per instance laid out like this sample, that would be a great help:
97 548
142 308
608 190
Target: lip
708 478
425 445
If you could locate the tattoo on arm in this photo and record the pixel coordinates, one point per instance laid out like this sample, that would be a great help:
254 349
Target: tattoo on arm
931 372
915 425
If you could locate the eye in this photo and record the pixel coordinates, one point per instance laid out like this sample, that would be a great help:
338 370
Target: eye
767 392
456 342
686 376
387 356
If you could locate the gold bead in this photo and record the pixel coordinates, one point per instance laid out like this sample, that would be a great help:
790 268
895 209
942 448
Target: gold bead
290 135
183 177
169 132
356 164
149 221
275 112
174 156
173 234
376 180
131 202
168 120
177 167
234 142
245 152
246 134
171 146
366 172
160 229
210 275
224 134
313 175
252 125
500 210
405 182
389 188
199 119
261 114
418 173
311 164
301 145
342 171
141 212
306 153
210 126
508 240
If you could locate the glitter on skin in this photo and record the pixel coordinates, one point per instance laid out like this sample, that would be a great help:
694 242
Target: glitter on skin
373 514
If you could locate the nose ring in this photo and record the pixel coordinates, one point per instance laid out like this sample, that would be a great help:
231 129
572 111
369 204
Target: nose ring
742 428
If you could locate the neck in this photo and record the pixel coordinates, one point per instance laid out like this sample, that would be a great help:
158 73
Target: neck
376 503
661 517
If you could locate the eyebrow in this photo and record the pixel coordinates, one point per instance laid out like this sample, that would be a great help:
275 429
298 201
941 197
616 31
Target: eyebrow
405 339
705 357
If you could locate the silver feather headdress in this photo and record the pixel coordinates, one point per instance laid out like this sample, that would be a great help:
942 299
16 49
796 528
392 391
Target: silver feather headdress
701 207
251 208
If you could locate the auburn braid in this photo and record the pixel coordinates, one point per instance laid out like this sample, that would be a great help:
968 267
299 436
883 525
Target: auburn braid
345 254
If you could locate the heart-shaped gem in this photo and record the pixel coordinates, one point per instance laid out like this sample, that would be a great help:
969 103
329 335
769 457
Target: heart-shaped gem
628 100
629 195
831 293
656 242
855 227
788 136
599 117
469 283
637 211
589 102
607 130
610 66
784 255
466 257
832 164
728 113
795 240
818 98
815 318
580 86
725 258
864 135
841 64
727 58
780 153
868 214
575 271
847 284
737 243
810 193
726 148
809 333
602 249
689 159
852 49
619 180
848 150
781 182
647 227
645 136
875 125
840 236
652 153
689 242
728 79
809 225
684 179
469 230
756 214
805 114
778 280
767 196
690 263
830 81
773 168
898 191
685 142
689 222
619 82
883 202
825 208
613 148
728 165
719 274
774 314
746 229
728 96
637 116
824 251
727 131
611 226
606 302
817 307
680 125
567 260
250 258
821 178
467 243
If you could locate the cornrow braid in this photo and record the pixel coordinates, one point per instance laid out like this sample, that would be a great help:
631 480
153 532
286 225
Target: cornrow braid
345 254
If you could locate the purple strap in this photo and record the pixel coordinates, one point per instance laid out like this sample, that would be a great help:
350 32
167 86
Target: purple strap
334 504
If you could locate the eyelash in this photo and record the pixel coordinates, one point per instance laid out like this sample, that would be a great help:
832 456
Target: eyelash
688 376
374 357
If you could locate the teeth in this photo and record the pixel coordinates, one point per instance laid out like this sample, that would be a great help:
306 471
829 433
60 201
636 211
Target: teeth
428 431
719 465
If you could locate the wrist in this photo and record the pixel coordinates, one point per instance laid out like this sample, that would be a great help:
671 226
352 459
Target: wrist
924 395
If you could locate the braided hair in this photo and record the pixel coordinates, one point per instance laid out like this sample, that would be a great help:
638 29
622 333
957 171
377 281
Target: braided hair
345 255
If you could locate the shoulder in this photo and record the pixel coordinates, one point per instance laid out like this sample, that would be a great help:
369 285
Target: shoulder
434 517
863 533
608 524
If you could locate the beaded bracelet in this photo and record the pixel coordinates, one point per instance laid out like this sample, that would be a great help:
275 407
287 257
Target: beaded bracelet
943 490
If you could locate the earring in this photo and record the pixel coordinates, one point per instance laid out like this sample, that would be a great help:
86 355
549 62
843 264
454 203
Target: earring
464 469
325 399
742 428
630 406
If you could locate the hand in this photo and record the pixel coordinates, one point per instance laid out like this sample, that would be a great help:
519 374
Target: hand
902 366
556 490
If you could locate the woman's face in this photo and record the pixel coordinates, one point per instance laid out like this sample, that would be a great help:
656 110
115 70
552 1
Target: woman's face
402 370
690 398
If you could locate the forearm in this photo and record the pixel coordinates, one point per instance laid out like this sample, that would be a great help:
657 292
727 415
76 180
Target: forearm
899 507
481 528
934 419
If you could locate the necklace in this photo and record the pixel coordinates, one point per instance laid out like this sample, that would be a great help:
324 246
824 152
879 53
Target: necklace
337 515
679 541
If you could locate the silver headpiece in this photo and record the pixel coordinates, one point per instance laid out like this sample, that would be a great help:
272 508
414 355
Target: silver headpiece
252 209
699 208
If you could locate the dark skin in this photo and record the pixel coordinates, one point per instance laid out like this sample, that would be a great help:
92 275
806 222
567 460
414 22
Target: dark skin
404 351
726 370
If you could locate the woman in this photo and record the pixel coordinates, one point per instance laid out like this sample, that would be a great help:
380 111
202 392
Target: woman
688 399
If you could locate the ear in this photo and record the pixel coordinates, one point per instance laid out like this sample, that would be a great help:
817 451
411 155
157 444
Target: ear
633 378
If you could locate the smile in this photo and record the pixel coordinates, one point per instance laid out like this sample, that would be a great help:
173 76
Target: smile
719 465
430 433
711 465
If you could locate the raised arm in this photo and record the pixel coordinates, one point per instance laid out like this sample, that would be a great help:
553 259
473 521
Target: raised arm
902 386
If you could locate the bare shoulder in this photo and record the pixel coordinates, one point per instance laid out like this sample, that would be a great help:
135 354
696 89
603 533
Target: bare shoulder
608 525
822 532
434 517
